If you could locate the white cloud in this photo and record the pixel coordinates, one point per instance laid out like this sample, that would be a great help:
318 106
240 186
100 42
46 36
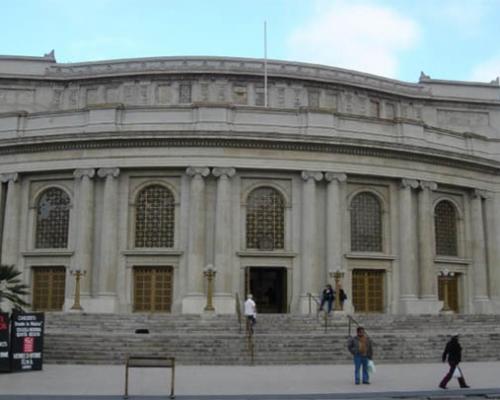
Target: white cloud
360 36
487 70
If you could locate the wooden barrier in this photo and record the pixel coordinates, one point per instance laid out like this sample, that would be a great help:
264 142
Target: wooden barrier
150 362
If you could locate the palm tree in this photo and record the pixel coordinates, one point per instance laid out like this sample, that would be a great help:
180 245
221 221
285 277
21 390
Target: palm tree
12 288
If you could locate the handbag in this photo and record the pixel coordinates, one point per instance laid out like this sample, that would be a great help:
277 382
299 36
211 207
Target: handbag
457 373
371 367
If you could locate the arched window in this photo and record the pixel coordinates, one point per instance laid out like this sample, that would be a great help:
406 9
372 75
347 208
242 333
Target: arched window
366 223
52 219
445 228
154 217
265 219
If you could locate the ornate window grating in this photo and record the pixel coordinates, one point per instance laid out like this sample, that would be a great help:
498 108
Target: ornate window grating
265 219
52 219
366 223
155 217
48 288
445 226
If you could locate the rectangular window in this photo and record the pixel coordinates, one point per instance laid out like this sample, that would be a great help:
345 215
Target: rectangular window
153 289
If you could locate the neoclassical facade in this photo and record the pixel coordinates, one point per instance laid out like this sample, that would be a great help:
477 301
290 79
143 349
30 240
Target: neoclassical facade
140 173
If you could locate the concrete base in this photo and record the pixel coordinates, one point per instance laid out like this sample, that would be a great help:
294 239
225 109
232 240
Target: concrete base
194 304
225 303
413 305
106 304
483 305
306 305
409 305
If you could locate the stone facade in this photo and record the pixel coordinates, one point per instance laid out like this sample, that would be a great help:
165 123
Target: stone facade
167 165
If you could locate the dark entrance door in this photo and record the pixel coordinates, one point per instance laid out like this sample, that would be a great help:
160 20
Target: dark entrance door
268 286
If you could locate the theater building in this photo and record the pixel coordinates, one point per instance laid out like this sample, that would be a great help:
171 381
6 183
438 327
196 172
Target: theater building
140 173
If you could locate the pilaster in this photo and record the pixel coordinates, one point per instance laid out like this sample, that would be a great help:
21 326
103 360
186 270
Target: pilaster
10 236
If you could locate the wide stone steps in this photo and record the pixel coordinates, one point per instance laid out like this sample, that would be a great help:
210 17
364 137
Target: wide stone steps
279 339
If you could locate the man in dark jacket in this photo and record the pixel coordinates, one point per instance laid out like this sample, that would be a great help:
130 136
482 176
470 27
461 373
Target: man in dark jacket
360 347
453 352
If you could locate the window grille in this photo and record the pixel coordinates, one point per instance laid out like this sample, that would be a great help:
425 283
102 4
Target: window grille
366 223
52 220
153 289
155 217
265 219
445 226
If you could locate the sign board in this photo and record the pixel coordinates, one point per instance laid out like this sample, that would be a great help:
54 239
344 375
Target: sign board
4 343
27 341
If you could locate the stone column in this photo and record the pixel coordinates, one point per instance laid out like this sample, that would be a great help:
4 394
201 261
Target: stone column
408 269
84 225
310 267
224 299
428 278
479 272
333 221
493 219
10 237
109 240
194 302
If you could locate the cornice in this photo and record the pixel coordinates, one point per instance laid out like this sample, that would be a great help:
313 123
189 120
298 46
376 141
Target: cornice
355 147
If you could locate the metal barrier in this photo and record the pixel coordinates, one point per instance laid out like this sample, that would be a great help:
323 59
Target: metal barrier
150 362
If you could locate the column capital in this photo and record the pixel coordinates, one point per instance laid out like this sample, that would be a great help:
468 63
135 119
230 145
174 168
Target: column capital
481 194
409 183
316 175
223 171
428 185
201 171
105 172
81 172
335 176
13 176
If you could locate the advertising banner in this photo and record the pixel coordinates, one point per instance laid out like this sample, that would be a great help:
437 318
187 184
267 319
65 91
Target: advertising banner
27 341
4 343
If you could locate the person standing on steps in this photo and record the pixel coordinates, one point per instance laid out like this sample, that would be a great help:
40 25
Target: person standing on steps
327 297
453 352
360 347
250 312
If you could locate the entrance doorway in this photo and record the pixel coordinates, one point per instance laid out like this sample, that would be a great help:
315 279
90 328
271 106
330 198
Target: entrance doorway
268 287
153 289
451 286
368 290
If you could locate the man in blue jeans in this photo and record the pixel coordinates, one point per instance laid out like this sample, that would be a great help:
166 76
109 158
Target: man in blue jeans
360 347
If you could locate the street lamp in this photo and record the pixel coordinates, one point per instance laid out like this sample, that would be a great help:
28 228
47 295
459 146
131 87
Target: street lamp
337 276
446 276
209 273
77 274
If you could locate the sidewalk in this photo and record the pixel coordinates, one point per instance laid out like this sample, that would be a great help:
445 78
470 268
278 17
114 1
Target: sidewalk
240 380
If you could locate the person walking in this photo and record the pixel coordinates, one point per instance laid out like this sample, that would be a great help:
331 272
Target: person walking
360 347
453 352
250 312
327 297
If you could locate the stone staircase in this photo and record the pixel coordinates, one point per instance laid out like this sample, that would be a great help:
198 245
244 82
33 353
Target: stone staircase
279 339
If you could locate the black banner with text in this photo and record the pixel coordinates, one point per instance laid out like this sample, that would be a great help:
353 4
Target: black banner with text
27 341
4 343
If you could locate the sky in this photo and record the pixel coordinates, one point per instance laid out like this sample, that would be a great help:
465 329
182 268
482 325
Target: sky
446 39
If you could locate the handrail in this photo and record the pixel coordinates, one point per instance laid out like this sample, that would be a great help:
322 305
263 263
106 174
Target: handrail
238 309
351 320
316 300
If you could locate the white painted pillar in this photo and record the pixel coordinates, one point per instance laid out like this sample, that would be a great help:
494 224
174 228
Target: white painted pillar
334 221
109 242
194 302
427 276
408 274
479 272
84 226
224 298
493 219
10 237
309 255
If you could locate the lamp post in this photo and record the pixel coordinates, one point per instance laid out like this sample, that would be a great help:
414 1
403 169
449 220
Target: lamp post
337 276
78 275
209 273
446 276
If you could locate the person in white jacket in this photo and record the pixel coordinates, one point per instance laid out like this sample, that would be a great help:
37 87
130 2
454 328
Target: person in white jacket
250 312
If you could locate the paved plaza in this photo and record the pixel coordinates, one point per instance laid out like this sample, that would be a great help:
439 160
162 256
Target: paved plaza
248 382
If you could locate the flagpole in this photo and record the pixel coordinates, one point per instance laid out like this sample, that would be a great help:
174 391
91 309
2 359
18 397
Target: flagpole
265 63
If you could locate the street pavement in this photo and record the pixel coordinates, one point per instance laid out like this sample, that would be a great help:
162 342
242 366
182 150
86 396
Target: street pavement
88 382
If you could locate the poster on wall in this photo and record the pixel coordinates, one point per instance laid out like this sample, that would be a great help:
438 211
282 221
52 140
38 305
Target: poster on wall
27 341
4 343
